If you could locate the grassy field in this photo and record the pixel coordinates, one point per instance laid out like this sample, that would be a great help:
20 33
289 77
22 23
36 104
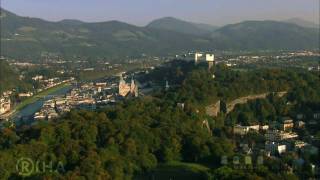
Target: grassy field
34 98
176 171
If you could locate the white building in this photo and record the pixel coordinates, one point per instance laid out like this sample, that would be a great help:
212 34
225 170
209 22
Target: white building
28 94
5 105
264 127
210 60
37 78
242 130
197 57
274 147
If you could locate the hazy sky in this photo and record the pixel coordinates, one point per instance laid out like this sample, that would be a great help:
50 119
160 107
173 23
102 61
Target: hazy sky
140 12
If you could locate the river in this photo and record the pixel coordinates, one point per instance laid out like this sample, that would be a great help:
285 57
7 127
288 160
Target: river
25 115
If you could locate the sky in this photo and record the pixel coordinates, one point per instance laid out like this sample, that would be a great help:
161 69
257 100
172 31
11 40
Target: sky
141 12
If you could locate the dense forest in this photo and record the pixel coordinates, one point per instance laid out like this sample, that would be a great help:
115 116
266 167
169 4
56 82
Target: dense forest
139 138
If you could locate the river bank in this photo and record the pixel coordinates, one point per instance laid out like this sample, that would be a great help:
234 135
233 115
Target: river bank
34 103
35 97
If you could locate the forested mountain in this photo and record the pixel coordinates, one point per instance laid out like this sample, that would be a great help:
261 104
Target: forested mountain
265 35
31 38
303 23
177 25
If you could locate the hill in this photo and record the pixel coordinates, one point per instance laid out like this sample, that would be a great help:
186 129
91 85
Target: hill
303 23
180 26
265 35
33 38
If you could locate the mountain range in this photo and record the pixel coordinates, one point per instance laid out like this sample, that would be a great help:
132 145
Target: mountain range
177 25
33 38
303 23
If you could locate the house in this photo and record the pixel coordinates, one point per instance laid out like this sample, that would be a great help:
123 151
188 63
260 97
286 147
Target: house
101 84
37 77
264 127
299 144
276 135
287 124
254 127
272 135
5 105
245 148
180 105
274 147
39 116
241 130
28 94
288 136
300 124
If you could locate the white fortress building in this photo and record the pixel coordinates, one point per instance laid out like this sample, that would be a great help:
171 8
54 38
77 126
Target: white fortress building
208 58
197 57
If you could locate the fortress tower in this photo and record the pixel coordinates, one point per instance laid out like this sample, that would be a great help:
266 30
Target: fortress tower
210 60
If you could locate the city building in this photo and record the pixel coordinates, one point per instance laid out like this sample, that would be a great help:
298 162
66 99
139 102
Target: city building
210 60
240 130
28 94
126 89
275 148
276 135
180 105
287 124
197 57
300 124
37 78
264 127
5 105
299 144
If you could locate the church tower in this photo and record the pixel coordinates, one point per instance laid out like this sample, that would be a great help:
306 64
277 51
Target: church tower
132 86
